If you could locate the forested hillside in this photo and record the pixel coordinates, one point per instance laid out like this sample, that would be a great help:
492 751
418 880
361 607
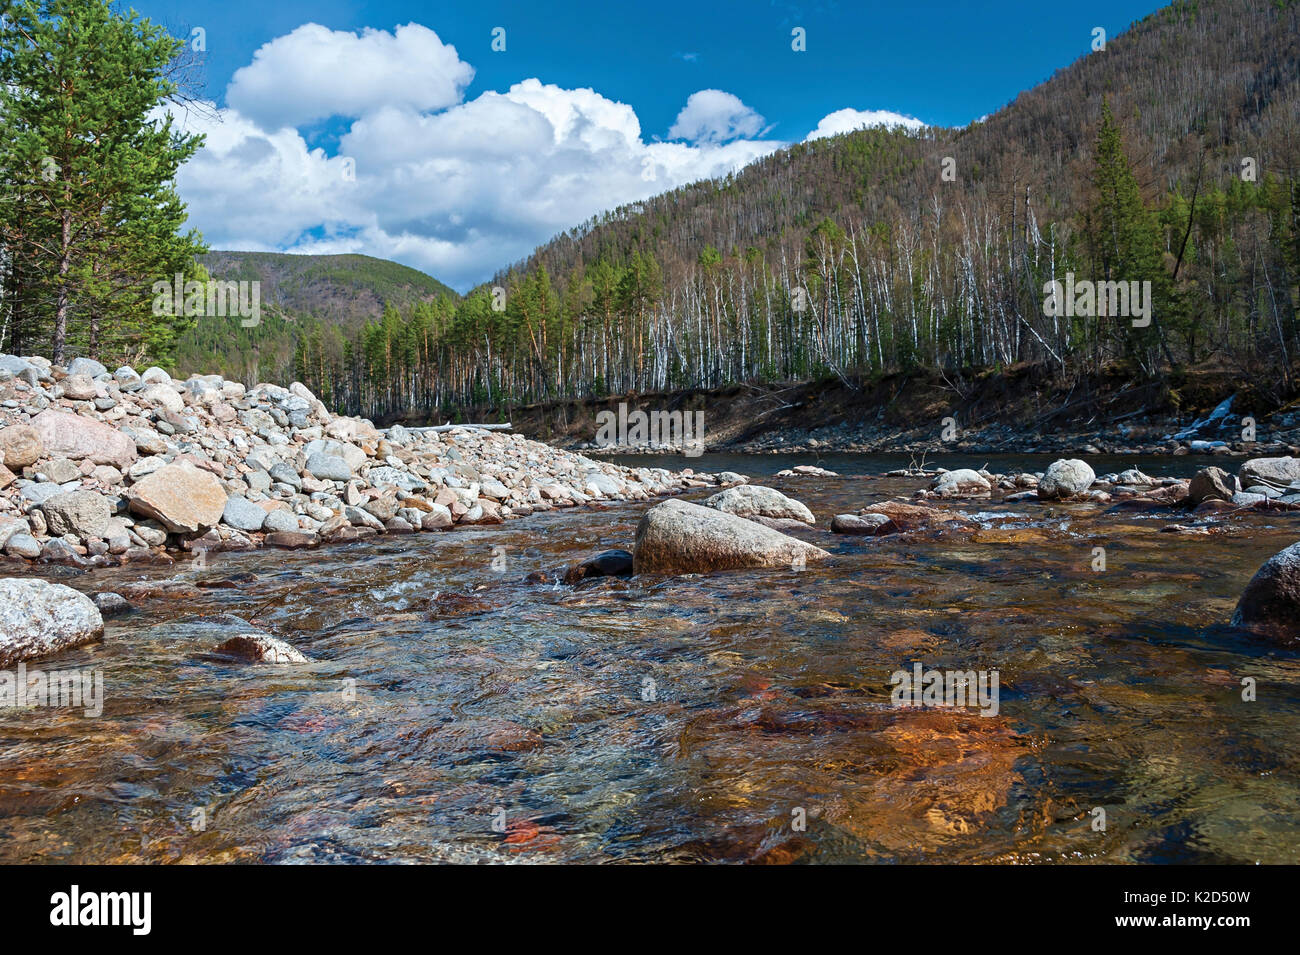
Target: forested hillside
323 302
1168 157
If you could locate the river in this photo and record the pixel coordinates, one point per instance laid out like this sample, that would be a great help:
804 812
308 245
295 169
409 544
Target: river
456 711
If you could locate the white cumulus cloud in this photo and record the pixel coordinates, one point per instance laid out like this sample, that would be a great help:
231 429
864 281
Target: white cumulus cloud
715 116
314 73
847 120
458 193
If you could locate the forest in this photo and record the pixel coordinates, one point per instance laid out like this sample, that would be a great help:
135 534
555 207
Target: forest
1169 157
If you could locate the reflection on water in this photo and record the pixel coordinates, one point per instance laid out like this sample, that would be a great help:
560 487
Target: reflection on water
456 713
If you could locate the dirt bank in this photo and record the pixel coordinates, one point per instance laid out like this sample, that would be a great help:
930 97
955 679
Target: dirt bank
1019 409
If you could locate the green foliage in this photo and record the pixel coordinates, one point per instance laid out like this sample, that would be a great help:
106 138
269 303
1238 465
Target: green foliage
90 218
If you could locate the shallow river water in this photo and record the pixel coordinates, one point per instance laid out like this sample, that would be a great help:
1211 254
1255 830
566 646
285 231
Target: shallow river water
454 711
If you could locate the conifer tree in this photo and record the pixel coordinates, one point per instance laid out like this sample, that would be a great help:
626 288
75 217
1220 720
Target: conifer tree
1124 234
90 210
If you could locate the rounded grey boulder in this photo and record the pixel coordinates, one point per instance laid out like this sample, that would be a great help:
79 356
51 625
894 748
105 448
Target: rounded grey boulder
280 521
38 618
23 544
1278 472
242 514
752 500
1270 604
868 524
111 604
329 467
677 537
83 513
1065 479
963 482
86 366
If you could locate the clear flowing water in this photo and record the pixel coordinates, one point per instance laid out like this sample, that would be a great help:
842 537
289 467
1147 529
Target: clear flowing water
455 711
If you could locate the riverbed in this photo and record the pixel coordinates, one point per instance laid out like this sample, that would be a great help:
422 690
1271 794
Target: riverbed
458 709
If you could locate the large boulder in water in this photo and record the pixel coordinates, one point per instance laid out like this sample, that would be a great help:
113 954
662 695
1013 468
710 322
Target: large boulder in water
258 647
38 618
1211 484
677 537
1066 479
911 517
611 563
869 524
1270 604
962 482
1134 478
751 500
1274 472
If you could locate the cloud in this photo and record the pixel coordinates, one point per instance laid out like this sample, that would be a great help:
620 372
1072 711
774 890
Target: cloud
458 188
314 73
714 116
847 120
459 192
255 189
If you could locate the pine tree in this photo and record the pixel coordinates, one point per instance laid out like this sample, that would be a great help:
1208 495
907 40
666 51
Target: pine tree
90 207
1124 234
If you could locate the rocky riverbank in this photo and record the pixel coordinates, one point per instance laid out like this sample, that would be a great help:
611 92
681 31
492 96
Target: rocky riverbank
100 467
1217 433
1176 438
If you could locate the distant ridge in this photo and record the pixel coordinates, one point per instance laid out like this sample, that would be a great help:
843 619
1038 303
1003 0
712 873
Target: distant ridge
336 289
330 296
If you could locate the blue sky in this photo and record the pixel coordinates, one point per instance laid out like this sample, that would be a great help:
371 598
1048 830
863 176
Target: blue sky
393 93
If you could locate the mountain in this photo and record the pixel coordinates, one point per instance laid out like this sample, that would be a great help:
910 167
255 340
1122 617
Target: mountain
1169 159
301 295
881 250
340 289
1213 77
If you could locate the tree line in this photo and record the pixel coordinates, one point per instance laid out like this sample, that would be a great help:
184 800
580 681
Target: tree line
1168 159
957 283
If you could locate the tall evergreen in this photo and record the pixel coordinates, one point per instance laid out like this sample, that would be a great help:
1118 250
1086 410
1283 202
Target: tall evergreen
1124 234
90 213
